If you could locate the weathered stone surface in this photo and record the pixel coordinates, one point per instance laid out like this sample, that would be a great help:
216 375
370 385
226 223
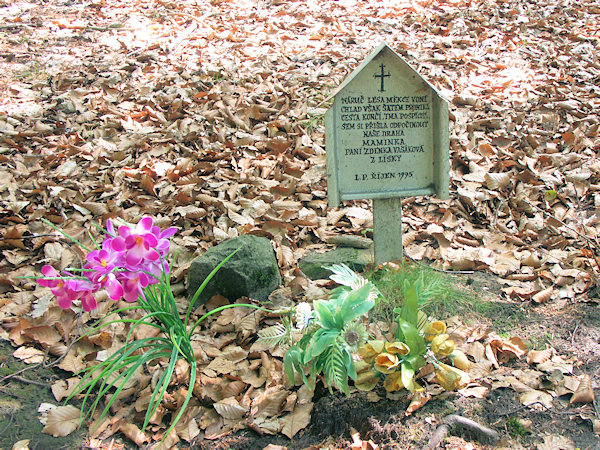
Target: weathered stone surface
312 265
349 240
252 272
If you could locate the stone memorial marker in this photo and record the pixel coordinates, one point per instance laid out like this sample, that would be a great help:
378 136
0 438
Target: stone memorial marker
386 138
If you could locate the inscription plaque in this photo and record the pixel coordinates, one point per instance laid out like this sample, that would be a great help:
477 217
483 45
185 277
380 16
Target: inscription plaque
386 138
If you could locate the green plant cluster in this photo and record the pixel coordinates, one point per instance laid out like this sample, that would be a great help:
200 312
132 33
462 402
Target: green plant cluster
335 333
333 341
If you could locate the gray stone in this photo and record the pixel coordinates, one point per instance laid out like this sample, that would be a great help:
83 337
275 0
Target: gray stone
349 240
313 264
252 272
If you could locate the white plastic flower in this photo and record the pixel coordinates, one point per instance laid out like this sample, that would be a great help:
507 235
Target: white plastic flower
303 315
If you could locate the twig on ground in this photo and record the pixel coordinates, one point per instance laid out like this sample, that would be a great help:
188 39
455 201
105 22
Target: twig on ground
483 433
4 391
25 380
12 415
573 335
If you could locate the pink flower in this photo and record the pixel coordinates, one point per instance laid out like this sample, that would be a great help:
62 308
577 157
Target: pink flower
86 290
102 261
138 243
163 239
67 290
133 283
131 258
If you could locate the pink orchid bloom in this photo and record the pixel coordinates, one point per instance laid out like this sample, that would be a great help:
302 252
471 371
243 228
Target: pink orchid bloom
88 301
68 290
102 261
133 283
163 239
113 286
131 258
139 243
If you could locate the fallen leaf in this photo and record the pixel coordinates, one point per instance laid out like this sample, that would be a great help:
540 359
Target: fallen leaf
229 408
62 421
29 355
584 393
297 420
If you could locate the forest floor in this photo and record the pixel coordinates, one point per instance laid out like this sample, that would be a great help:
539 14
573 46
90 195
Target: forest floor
208 116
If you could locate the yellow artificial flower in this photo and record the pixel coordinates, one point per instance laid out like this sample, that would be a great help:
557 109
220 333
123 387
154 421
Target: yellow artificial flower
460 360
432 329
393 382
441 345
371 349
386 363
397 348
361 366
366 381
451 378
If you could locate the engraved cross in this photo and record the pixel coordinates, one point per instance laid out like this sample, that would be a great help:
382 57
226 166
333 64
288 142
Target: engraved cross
382 75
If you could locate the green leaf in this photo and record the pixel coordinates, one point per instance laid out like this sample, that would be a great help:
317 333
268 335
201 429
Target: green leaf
322 339
407 375
357 303
326 318
550 195
342 274
335 369
292 357
411 336
416 361
349 363
274 335
410 307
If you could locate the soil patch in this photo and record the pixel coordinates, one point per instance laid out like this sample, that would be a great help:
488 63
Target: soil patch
20 401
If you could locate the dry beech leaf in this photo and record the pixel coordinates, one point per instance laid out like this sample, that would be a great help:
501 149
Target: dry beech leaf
543 296
539 356
62 388
29 355
556 442
531 396
44 335
296 421
477 351
230 409
62 421
491 356
21 445
496 181
359 444
474 390
419 398
269 403
134 433
584 393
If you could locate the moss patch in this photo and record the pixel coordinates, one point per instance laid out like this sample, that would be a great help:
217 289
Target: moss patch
19 403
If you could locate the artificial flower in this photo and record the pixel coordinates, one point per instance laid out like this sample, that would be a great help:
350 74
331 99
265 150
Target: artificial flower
367 380
460 360
371 349
433 329
393 382
451 378
386 363
303 315
441 345
397 348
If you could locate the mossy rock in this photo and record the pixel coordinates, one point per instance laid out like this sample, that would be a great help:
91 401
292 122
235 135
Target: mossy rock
252 272
313 264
